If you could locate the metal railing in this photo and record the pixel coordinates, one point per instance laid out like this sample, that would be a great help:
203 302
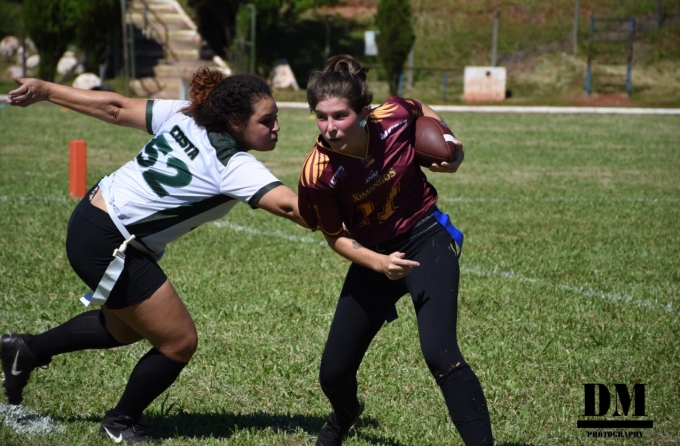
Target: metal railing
162 36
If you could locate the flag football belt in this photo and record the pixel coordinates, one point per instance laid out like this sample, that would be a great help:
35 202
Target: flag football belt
454 232
112 273
456 236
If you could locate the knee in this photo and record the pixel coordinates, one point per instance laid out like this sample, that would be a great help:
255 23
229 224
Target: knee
334 380
443 362
182 347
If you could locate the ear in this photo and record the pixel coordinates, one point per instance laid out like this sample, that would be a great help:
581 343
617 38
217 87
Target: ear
365 111
236 127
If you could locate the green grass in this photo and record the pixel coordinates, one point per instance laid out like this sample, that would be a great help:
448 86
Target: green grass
570 275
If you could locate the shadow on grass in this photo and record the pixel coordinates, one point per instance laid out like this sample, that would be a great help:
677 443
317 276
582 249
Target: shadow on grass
225 425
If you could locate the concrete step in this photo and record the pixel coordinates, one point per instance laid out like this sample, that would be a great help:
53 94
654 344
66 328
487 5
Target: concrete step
157 76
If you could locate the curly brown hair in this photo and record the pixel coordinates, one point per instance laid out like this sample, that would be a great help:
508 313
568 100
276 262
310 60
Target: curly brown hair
343 77
217 99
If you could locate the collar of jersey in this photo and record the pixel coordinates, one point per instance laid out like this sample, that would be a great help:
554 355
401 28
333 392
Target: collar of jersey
321 142
225 145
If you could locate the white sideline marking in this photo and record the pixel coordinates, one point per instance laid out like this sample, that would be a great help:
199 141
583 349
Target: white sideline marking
668 308
508 109
278 234
587 292
525 109
26 422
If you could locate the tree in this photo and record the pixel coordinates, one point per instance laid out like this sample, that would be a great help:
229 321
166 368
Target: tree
217 22
98 24
51 24
10 18
394 39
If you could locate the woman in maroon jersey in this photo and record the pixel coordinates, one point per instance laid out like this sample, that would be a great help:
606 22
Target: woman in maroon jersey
362 188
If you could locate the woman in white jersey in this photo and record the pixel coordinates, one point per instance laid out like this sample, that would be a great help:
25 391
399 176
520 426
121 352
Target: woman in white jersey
195 169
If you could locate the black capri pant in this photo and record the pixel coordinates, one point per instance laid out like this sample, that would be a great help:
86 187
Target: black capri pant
368 296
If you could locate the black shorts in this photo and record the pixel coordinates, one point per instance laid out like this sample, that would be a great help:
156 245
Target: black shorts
90 241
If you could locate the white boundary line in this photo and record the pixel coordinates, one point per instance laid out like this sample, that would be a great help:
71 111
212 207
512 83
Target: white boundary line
504 109
26 422
655 305
525 109
586 292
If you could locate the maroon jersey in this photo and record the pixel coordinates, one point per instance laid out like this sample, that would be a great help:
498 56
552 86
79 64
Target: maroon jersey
377 196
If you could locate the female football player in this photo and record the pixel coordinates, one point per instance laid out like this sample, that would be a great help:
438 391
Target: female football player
361 187
194 170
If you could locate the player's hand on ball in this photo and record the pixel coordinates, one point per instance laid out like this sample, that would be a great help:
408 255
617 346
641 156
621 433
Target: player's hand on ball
29 92
451 167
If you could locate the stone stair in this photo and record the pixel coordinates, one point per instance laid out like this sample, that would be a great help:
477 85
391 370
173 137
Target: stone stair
167 49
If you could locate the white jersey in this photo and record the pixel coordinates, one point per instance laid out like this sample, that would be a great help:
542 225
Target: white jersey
182 178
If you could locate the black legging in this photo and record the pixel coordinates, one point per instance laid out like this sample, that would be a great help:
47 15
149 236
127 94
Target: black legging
366 299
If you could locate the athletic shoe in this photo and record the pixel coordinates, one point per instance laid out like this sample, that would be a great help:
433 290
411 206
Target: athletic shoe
125 429
17 364
332 433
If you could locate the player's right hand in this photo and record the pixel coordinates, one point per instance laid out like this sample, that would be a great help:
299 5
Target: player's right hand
395 266
29 92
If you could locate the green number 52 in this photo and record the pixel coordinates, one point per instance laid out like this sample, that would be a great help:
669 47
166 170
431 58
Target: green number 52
155 178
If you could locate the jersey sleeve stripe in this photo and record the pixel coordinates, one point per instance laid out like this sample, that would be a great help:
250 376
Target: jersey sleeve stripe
261 193
149 116
313 167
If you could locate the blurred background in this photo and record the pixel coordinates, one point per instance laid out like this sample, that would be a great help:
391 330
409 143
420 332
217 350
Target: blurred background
558 52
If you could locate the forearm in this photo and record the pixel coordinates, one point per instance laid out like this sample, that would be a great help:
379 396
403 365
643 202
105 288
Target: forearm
428 111
283 202
109 107
354 252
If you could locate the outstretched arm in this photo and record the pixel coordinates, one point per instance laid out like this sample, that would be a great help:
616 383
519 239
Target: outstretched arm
394 265
107 106
282 201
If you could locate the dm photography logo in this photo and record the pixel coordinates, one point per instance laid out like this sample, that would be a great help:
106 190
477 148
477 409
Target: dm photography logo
609 414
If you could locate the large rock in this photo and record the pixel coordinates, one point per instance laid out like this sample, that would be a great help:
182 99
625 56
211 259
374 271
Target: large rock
87 81
283 77
69 64
8 47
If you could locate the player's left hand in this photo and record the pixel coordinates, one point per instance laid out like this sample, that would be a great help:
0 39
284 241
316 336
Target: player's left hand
451 167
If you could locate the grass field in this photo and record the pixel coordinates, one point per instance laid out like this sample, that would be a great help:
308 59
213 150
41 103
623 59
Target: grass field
570 275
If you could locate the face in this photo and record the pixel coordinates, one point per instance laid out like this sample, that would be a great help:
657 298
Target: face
261 131
339 125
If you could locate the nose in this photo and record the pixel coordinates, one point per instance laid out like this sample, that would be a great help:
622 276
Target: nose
276 127
330 125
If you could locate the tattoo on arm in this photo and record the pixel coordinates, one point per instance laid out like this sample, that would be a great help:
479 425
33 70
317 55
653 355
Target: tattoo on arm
356 245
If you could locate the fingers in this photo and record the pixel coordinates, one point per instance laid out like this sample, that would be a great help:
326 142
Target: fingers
398 266
453 166
24 95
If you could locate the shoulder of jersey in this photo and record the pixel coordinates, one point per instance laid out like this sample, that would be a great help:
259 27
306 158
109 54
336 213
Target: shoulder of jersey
313 167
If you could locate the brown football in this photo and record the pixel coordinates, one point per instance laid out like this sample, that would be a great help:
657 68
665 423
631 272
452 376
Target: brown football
434 142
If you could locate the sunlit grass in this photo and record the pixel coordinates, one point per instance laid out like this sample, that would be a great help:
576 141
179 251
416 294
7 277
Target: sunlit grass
570 275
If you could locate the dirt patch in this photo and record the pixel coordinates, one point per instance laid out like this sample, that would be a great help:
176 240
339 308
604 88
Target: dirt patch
601 100
351 11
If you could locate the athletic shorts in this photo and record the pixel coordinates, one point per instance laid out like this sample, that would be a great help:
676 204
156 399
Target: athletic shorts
91 239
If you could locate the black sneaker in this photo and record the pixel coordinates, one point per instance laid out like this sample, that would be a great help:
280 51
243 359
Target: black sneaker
332 433
17 364
125 429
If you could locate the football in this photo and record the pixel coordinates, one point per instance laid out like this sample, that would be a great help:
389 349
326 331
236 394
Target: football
434 142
